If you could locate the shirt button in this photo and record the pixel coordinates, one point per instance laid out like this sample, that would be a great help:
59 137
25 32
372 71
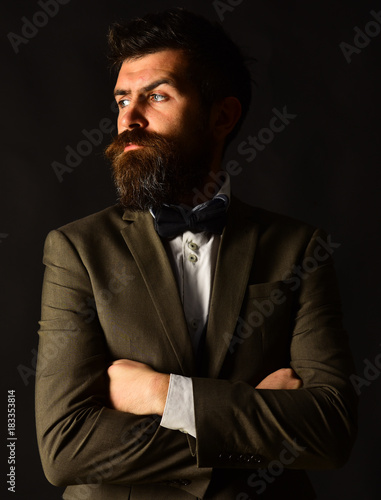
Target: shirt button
192 258
192 246
194 324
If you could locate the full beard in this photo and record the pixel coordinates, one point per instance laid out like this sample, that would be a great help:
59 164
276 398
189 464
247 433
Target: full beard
165 170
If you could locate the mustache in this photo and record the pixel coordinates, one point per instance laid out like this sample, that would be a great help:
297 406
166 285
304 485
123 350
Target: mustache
140 137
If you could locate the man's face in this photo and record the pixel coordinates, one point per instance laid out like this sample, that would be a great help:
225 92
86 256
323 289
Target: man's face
165 146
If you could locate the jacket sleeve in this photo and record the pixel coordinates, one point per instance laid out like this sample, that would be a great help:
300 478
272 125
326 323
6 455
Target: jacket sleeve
81 439
240 426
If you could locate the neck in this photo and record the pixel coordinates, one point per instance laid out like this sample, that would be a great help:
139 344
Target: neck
210 187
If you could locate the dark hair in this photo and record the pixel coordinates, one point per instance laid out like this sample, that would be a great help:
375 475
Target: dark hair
217 64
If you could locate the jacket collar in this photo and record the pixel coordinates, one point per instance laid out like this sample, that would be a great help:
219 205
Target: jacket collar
234 262
155 268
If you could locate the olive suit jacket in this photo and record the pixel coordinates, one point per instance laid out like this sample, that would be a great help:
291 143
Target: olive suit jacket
109 293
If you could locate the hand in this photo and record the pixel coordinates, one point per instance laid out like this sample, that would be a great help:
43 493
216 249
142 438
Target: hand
285 378
137 388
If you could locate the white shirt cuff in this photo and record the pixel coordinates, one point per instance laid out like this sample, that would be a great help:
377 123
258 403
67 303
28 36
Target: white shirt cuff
178 413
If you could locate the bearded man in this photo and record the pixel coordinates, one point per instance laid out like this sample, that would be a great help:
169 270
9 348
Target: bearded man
216 366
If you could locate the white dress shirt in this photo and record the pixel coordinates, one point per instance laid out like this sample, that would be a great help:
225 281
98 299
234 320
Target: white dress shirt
193 258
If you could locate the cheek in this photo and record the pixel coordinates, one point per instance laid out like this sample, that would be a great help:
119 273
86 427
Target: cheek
181 121
164 119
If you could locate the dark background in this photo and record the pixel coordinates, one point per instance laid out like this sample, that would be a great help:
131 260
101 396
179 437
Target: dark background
323 168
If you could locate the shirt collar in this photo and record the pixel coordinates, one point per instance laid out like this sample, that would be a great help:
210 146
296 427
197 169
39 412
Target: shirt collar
225 188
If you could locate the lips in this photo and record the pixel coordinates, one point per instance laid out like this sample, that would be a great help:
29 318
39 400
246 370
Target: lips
130 146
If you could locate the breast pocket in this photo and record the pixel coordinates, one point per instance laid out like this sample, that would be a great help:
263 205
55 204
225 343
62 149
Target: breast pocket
268 308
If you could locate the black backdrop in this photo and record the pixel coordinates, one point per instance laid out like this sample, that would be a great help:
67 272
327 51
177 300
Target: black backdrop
322 168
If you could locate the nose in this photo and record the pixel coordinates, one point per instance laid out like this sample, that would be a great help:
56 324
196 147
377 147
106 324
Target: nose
132 116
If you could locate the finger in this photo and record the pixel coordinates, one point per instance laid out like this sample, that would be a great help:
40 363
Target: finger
121 362
296 384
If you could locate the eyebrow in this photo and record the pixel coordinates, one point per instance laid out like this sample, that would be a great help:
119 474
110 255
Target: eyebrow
148 88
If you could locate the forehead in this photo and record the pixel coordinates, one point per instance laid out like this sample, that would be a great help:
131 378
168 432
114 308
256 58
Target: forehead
171 64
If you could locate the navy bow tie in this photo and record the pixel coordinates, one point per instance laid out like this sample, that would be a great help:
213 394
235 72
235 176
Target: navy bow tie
172 220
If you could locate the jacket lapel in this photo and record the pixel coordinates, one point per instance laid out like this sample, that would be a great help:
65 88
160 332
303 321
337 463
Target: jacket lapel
234 263
151 258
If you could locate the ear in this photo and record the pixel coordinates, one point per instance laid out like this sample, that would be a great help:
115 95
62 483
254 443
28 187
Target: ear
225 115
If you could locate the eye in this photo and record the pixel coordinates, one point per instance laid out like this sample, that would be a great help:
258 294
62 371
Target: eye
123 103
157 97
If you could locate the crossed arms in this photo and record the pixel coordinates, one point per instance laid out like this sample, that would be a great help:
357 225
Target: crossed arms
93 418
137 388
